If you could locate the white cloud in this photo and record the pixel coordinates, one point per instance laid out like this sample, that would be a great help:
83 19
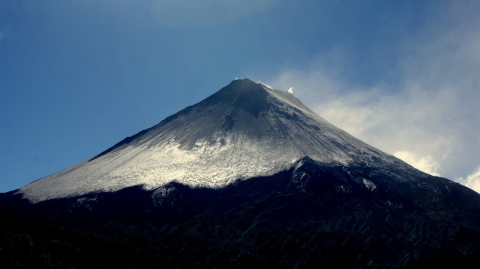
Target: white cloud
430 116
472 181
425 164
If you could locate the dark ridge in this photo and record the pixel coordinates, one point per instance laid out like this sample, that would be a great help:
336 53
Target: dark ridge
299 217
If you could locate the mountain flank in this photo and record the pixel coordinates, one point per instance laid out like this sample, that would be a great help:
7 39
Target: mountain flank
250 174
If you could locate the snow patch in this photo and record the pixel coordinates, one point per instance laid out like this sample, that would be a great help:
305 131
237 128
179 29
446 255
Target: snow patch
265 85
370 185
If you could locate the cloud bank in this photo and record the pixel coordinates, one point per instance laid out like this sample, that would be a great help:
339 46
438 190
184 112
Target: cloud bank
472 181
426 164
429 114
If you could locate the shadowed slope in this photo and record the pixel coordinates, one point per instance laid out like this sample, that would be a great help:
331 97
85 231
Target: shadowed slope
313 214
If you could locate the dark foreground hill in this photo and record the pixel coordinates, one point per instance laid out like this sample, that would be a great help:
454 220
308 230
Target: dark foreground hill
27 244
298 218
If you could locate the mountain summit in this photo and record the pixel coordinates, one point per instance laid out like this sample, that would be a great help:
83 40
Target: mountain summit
245 130
251 174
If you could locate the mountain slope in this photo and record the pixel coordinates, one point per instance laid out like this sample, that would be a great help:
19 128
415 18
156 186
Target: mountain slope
252 171
244 130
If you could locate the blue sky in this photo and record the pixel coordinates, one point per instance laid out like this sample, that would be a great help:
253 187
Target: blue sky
76 77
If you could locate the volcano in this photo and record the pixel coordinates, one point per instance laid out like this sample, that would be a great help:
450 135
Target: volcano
252 171
243 131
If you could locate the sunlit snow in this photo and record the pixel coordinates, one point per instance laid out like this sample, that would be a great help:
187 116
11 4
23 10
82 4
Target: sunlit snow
251 146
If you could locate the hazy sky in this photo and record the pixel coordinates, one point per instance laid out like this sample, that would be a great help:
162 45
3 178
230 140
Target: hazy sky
76 77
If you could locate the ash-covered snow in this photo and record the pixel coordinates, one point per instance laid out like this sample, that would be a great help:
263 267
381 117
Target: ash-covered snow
245 130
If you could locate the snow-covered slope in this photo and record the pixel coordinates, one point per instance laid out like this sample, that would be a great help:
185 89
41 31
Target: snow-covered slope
244 130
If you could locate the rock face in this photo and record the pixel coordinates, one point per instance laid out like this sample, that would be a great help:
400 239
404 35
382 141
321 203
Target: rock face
251 170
